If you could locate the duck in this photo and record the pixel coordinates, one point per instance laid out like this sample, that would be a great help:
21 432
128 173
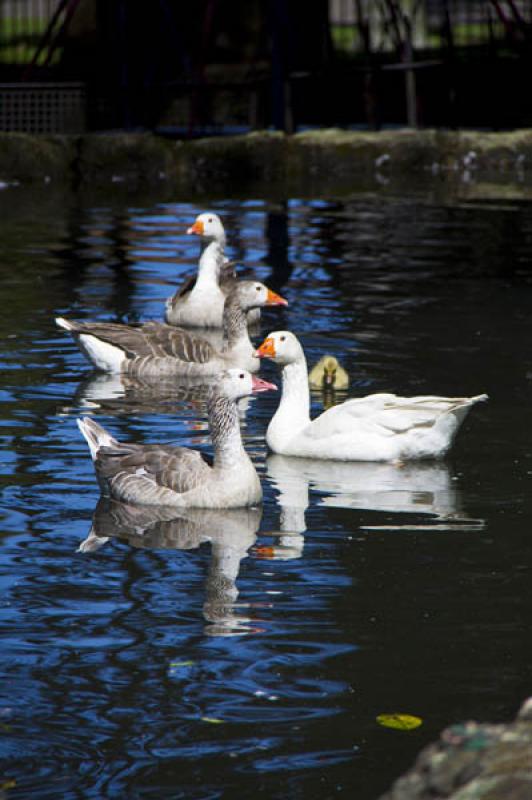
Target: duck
199 302
180 477
328 374
155 349
379 427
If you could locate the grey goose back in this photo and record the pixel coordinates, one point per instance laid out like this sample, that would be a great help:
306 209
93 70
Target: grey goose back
164 475
155 349
199 302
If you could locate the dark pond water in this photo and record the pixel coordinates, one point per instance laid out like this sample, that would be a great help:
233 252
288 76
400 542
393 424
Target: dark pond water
250 653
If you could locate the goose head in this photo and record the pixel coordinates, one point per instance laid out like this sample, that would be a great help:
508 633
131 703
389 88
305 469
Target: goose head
282 347
237 383
209 228
253 294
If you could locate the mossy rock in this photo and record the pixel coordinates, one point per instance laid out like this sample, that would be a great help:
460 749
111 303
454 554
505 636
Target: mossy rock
232 160
25 157
307 162
501 151
472 761
116 157
362 152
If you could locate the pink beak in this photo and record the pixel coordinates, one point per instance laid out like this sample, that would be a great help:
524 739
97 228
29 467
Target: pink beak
258 385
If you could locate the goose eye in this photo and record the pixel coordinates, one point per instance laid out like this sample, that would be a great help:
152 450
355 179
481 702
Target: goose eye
257 288
241 375
210 219
283 338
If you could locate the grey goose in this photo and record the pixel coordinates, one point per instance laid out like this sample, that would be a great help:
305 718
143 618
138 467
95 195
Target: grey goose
164 475
155 349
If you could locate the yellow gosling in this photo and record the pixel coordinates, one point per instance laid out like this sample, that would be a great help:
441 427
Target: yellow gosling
328 374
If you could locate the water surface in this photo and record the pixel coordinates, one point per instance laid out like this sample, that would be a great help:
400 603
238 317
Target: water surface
249 653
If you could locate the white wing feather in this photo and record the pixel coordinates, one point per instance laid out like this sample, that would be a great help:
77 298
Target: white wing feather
385 414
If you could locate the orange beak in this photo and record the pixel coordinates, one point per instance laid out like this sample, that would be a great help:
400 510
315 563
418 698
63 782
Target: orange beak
264 552
196 228
275 299
267 349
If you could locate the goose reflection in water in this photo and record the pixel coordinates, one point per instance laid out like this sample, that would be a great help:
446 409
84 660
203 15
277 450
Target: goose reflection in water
121 394
420 488
231 533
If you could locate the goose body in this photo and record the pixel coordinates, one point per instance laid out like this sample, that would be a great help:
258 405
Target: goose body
156 349
163 475
379 427
199 302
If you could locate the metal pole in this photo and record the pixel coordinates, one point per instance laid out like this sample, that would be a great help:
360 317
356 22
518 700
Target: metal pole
410 76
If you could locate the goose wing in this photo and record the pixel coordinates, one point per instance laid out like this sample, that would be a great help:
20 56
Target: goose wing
128 338
153 339
165 340
228 277
178 469
182 291
387 414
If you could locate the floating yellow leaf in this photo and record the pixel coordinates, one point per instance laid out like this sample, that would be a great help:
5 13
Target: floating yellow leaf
400 722
212 720
181 663
8 785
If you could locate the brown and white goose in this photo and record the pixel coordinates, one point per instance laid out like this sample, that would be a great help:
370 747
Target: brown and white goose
161 475
199 302
155 349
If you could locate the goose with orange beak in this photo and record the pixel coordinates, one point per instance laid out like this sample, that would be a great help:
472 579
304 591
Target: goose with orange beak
154 350
379 427
199 302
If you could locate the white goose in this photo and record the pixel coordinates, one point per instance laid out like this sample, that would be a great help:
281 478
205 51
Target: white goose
380 427
199 302
159 475
156 350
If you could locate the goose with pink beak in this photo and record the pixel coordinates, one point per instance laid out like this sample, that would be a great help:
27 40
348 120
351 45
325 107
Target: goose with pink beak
180 477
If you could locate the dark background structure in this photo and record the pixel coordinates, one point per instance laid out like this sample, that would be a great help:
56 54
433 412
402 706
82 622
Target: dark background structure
218 66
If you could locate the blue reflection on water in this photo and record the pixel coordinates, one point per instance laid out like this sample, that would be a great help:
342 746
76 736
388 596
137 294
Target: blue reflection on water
180 661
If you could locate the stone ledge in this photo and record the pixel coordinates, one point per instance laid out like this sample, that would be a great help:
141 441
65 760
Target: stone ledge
235 162
25 158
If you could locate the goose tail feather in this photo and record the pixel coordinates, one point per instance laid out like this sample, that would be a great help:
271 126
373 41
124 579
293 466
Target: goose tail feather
61 322
478 398
95 435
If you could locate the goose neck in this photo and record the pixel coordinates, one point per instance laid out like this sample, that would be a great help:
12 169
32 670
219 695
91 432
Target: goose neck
234 321
224 426
209 264
295 398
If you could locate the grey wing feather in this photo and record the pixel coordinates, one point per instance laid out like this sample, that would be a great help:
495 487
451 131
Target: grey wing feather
176 468
151 339
228 275
128 338
165 340
185 288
